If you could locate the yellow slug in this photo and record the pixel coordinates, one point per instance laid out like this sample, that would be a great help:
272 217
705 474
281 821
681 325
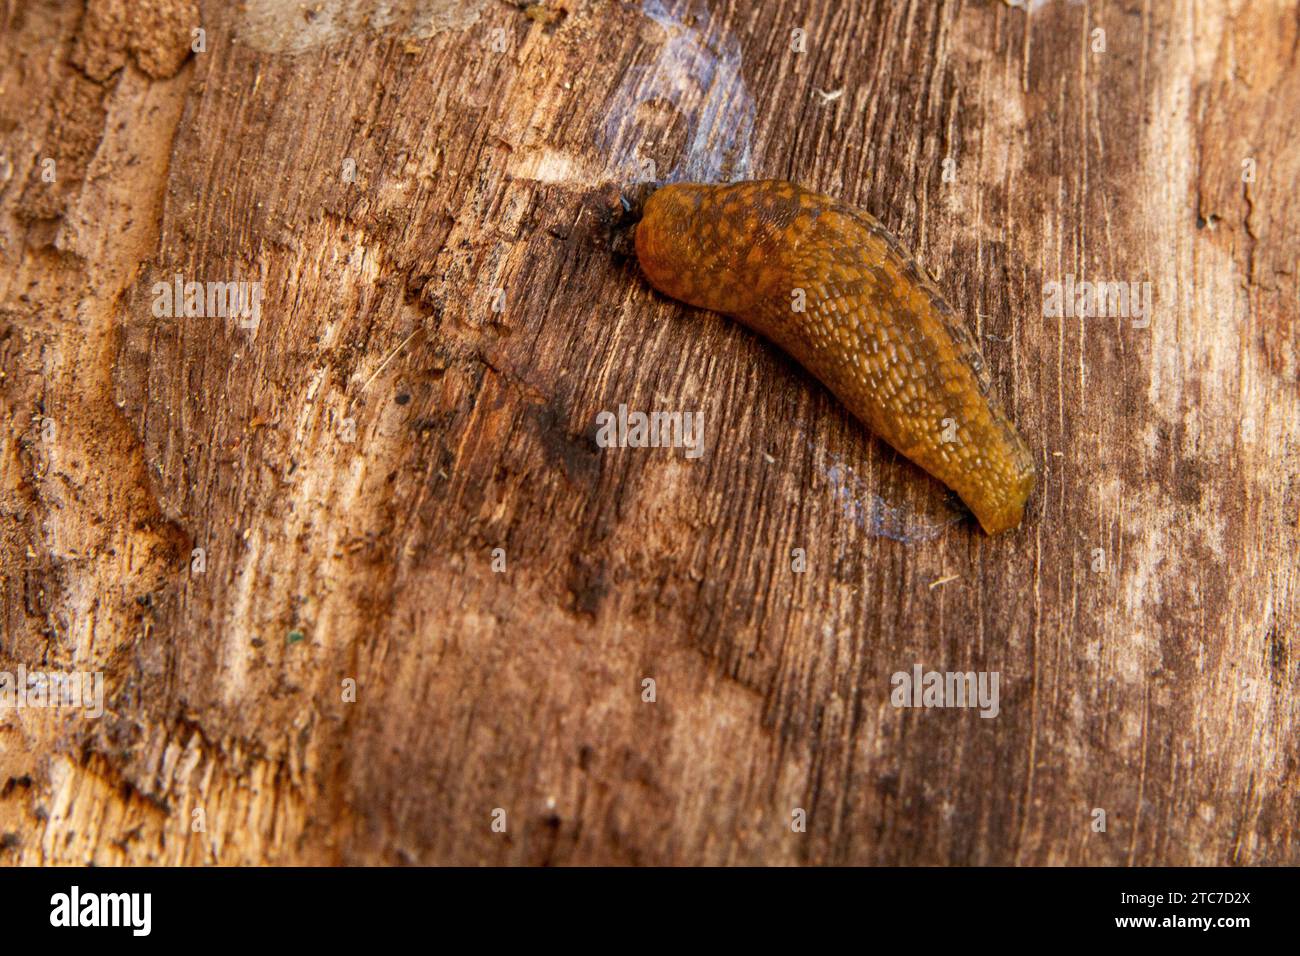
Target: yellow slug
829 285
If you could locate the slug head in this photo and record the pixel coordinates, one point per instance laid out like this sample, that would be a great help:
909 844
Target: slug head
714 247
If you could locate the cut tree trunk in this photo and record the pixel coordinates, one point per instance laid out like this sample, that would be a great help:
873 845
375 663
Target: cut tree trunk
362 585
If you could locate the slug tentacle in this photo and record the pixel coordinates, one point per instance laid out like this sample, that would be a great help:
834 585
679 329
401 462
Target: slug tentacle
829 285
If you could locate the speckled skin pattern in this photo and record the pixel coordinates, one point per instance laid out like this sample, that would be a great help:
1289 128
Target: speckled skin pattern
874 327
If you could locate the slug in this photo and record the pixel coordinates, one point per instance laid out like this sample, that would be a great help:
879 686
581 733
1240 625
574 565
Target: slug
828 284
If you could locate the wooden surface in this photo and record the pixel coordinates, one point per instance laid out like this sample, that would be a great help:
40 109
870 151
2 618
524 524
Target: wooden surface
1158 684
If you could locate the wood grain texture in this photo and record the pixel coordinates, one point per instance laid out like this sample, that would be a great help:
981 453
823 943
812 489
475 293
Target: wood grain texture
487 139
